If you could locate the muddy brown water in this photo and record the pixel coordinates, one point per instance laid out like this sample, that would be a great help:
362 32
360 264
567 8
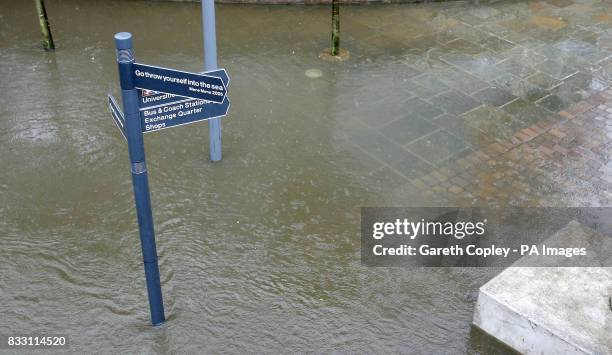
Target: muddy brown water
259 253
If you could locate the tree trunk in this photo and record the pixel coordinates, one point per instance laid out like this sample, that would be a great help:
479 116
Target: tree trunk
335 45
47 39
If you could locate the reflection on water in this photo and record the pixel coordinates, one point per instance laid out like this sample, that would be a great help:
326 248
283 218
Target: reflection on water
259 252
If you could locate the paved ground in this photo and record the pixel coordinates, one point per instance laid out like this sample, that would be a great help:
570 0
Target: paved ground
565 163
504 103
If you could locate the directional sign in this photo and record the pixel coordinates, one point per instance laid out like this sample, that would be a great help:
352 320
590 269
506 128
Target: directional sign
159 110
181 113
148 99
117 115
180 83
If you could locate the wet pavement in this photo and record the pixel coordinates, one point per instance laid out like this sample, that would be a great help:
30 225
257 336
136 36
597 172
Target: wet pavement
453 103
482 87
546 164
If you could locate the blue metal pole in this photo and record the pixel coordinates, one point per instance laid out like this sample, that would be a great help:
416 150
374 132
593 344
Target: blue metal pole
140 180
210 63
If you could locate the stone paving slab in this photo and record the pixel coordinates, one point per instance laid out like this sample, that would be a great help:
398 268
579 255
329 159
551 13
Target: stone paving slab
489 103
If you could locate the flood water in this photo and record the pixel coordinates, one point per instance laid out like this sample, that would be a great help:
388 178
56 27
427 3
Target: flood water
258 253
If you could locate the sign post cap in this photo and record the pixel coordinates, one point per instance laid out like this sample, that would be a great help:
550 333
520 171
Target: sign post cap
123 40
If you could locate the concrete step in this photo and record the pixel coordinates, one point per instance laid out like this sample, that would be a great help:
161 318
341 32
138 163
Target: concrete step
551 310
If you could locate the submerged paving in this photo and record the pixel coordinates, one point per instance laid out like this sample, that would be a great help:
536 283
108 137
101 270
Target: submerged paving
501 102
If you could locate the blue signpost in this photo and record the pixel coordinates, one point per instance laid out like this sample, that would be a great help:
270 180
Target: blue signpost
140 180
155 98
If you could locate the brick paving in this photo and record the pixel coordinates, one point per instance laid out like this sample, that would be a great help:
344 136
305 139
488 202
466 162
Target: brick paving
497 103
560 164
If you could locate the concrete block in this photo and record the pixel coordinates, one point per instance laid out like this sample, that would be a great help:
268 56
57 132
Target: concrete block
551 310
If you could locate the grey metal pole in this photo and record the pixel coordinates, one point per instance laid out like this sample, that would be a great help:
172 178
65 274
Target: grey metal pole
140 180
210 63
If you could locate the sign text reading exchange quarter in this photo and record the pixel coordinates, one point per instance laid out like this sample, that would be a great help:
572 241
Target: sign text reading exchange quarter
161 110
472 237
